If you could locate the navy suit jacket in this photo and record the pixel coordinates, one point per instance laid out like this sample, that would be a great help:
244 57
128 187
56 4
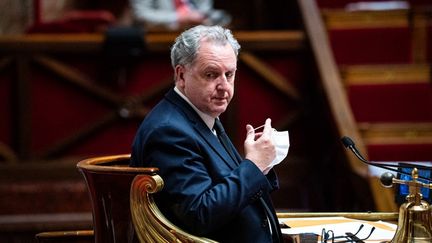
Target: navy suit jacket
206 192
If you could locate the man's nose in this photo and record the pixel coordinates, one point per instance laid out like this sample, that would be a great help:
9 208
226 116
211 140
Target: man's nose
223 82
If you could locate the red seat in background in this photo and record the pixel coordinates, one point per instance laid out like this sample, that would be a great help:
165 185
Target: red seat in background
410 102
371 45
77 21
343 3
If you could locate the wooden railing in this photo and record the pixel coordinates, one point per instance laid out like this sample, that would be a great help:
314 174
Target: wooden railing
155 42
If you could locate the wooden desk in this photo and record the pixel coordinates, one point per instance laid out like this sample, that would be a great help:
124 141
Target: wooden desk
389 217
311 237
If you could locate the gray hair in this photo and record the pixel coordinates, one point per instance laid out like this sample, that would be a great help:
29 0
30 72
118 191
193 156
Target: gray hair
186 45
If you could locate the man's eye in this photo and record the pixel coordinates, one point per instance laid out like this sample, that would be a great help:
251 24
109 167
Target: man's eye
229 75
211 75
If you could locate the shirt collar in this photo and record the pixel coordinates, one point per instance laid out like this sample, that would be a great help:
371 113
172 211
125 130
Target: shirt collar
208 120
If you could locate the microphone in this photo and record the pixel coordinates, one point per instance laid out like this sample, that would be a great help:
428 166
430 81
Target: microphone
348 143
387 179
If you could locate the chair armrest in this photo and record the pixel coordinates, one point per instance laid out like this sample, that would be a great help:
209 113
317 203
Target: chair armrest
66 236
150 224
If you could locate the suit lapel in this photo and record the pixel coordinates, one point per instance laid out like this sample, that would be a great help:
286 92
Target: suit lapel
202 128
214 143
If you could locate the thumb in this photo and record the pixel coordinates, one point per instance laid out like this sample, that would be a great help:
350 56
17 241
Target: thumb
250 133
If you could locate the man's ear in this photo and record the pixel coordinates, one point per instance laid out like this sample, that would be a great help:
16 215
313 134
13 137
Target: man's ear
179 75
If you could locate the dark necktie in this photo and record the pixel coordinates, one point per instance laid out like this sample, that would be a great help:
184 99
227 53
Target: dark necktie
223 138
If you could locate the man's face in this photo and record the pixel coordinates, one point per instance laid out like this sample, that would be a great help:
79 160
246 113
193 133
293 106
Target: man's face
209 81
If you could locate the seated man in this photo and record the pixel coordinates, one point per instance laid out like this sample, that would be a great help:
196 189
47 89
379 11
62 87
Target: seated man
210 190
176 14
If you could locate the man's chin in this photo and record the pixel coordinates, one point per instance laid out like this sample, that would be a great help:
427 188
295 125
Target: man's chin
219 110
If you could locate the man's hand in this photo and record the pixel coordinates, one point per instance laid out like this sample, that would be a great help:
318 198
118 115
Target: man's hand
259 147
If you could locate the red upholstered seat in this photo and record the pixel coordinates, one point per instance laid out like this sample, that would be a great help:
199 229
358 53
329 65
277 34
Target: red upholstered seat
371 45
410 102
400 152
76 22
343 3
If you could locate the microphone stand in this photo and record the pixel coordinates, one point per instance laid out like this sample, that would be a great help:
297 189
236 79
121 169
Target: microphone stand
348 143
414 223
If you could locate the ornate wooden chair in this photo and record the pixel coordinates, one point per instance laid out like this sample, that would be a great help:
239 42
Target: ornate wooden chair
149 222
123 206
108 182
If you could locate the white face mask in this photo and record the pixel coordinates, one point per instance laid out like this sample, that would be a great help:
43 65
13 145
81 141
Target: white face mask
282 144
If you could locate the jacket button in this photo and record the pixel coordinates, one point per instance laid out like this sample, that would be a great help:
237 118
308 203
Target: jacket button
264 223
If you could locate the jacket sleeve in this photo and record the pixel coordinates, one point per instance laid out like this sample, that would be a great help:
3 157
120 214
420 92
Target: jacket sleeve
273 180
